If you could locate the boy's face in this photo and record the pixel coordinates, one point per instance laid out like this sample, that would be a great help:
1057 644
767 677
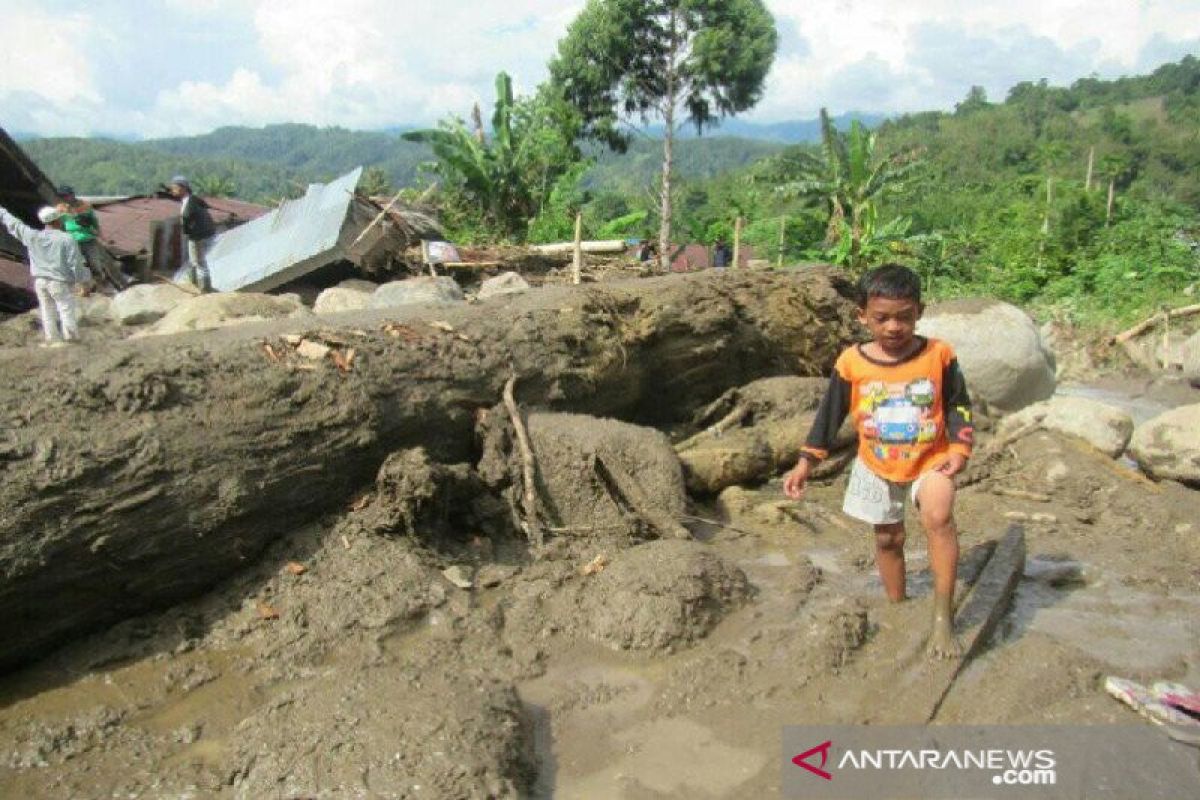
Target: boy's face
892 322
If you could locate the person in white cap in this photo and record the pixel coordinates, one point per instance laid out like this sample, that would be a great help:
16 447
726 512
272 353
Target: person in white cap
57 266
198 228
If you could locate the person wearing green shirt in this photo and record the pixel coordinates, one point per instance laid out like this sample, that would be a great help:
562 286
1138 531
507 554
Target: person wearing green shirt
81 222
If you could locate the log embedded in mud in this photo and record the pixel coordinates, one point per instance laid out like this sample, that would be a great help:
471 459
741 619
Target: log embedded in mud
137 473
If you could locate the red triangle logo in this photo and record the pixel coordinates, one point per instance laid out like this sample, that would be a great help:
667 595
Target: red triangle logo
802 760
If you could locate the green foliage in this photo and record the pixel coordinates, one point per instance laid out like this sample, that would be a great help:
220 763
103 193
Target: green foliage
375 183
214 185
624 226
508 176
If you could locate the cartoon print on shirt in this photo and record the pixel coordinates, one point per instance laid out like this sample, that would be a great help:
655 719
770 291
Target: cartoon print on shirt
898 416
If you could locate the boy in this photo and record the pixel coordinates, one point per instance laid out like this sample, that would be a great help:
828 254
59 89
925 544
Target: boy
56 265
80 220
913 417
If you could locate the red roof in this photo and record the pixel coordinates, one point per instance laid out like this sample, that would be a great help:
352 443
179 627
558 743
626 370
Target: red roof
125 224
15 274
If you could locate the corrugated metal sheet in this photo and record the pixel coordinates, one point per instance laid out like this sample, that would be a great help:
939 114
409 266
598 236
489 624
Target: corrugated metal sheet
127 224
291 241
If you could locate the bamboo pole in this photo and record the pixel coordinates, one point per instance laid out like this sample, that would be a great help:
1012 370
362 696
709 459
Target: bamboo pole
779 258
737 242
577 260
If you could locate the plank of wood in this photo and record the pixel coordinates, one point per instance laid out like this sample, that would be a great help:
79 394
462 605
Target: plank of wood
923 687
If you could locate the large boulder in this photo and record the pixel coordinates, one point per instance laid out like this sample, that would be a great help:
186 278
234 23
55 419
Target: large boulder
1105 427
425 290
358 284
331 301
1006 363
95 309
220 310
147 302
507 283
1168 446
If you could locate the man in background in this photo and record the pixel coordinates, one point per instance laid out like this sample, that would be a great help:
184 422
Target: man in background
198 228
57 266
80 221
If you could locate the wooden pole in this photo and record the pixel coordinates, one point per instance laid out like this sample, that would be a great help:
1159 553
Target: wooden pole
1087 184
1108 209
577 261
737 242
779 258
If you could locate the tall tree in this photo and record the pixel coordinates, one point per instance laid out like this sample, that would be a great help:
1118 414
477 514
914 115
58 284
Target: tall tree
679 61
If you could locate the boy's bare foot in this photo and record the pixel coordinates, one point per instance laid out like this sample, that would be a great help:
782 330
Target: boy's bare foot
943 644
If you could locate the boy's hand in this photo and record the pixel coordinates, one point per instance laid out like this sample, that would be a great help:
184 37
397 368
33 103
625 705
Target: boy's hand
793 482
954 464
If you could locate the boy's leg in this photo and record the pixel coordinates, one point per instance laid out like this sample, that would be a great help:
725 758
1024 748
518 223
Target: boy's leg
936 500
48 309
889 559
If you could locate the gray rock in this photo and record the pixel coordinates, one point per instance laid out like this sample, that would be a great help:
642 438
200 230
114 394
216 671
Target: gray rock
1105 427
1005 361
1168 446
220 310
507 283
425 290
95 309
147 302
358 285
332 301
459 576
492 575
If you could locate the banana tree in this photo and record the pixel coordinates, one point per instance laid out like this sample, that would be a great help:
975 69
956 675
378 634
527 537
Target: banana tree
847 176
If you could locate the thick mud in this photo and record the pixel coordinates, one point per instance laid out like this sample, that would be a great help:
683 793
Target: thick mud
410 643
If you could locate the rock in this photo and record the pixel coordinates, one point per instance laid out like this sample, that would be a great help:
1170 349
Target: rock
508 283
95 309
332 301
147 302
222 309
492 575
1005 361
358 285
1168 446
459 576
1189 355
1105 427
426 290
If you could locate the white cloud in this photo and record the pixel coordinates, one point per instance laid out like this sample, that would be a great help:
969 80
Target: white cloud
374 63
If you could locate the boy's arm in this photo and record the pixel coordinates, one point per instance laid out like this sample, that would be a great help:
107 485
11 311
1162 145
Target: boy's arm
835 405
957 405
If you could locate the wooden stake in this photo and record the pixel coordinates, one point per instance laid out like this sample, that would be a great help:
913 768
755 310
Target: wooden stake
528 465
737 242
577 260
779 259
1087 184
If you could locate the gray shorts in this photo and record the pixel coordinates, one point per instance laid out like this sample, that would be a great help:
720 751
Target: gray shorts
877 500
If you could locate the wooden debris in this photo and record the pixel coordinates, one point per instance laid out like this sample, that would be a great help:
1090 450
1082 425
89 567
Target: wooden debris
595 566
1021 494
294 339
459 576
1163 316
271 353
345 542
441 325
314 351
294 568
401 331
731 419
344 361
528 465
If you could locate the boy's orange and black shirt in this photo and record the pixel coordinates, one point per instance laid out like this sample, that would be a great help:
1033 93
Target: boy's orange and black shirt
910 414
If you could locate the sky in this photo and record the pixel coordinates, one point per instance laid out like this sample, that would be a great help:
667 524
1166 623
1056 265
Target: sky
182 67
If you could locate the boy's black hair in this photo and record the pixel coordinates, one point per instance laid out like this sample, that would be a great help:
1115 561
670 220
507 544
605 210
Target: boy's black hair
894 281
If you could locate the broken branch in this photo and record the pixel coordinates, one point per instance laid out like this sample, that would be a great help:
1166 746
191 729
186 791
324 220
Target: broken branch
528 465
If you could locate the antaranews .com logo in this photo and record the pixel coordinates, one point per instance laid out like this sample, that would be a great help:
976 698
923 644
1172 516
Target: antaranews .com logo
1006 767
1005 762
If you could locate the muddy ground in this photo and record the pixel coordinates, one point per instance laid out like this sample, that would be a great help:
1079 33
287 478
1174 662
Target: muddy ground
344 662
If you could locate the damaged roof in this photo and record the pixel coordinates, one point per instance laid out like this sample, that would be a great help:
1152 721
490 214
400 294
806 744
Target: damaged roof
23 190
126 223
296 238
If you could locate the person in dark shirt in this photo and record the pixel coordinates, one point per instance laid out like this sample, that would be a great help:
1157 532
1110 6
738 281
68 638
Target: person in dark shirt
198 228
910 405
721 255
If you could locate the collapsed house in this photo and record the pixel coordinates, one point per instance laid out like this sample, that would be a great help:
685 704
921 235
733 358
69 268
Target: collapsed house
23 190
